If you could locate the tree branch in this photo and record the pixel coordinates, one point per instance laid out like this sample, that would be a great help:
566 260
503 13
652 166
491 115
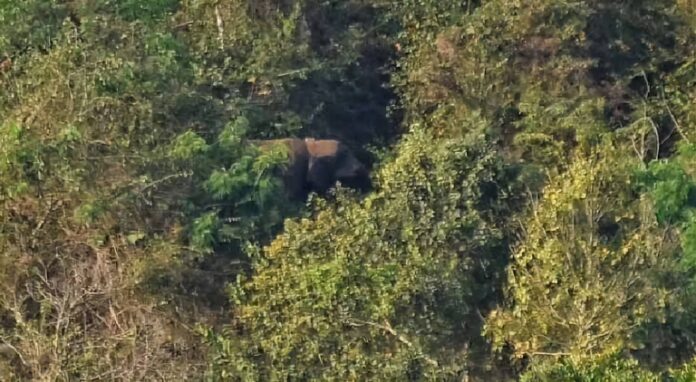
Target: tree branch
221 28
388 328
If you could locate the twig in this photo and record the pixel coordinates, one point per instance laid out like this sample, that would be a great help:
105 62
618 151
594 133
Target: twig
647 84
291 72
157 182
558 354
9 346
655 130
221 28
674 119
52 207
387 328
183 26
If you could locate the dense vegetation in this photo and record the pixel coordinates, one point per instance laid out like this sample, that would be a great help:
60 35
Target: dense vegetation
533 215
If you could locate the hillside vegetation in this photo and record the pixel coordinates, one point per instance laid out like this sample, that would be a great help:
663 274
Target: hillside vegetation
532 215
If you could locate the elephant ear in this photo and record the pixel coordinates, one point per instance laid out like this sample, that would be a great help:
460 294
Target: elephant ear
320 173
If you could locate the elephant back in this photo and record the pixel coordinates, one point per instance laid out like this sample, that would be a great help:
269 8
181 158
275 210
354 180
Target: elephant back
316 165
319 148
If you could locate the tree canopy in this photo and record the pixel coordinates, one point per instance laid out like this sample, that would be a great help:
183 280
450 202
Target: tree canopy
532 215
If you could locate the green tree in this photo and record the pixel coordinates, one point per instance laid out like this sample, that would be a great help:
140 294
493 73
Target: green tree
127 192
611 368
387 288
589 269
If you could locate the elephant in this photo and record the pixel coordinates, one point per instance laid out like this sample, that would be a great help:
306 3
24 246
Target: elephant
317 164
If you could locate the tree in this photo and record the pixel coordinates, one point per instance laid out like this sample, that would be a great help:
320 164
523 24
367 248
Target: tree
589 270
386 288
612 368
123 159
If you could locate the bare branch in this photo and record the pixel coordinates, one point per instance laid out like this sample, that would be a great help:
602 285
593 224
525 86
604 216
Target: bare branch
388 328
221 28
557 354
674 119
7 347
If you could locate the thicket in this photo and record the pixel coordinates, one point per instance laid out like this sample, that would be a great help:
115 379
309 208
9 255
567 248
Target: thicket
533 215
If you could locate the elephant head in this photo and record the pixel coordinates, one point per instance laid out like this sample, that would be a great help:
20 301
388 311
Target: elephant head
330 161
317 164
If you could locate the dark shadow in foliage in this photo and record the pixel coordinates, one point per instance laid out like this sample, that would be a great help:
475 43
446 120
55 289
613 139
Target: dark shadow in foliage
667 344
351 103
34 25
623 38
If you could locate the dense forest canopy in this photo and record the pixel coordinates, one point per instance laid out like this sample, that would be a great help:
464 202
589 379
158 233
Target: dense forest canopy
532 213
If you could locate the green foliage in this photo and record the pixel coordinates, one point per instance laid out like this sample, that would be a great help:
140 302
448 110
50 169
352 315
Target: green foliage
147 11
613 368
117 163
371 290
235 189
565 296
685 373
671 186
540 71
204 230
130 196
607 369
29 24
672 190
187 145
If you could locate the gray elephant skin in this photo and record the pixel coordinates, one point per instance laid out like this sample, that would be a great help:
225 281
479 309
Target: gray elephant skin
317 164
